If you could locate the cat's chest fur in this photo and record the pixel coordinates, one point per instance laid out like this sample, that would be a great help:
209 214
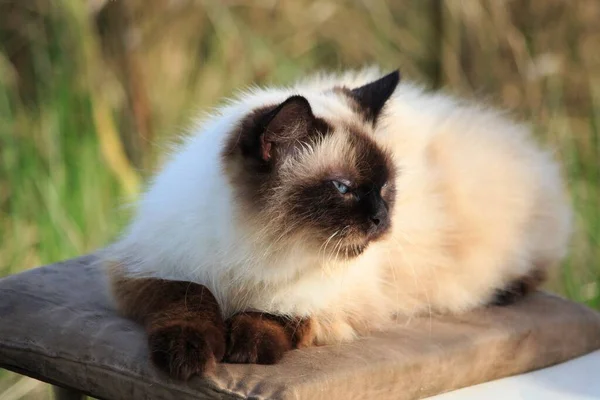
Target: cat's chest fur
322 290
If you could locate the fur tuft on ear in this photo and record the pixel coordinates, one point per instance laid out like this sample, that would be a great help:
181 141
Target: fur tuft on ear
372 96
291 120
268 134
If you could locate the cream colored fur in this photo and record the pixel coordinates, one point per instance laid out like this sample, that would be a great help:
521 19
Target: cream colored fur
478 205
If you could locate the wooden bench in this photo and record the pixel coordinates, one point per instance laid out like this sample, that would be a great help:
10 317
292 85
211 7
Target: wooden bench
57 325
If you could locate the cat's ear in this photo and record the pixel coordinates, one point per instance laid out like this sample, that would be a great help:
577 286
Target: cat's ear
286 125
372 97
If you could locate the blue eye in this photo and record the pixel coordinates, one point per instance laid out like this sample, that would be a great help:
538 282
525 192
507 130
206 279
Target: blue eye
342 188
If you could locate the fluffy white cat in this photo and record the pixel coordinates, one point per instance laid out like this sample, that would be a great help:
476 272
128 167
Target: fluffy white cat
336 203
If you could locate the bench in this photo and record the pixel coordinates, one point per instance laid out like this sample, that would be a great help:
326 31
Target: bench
57 325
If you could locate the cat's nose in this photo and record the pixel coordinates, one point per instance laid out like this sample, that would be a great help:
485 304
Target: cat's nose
380 222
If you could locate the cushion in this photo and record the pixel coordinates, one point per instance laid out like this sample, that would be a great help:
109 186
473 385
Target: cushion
57 325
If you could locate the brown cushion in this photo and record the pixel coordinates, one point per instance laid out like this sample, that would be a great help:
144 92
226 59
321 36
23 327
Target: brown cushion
57 325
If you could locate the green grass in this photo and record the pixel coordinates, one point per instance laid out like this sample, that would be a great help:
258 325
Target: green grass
88 99
57 197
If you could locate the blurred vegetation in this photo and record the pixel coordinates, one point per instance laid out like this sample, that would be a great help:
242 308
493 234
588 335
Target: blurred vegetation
90 91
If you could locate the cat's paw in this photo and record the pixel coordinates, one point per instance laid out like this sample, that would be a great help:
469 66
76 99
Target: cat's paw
506 297
519 288
255 338
183 349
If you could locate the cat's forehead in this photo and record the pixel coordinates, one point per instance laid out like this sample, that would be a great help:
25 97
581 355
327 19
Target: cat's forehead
334 106
346 151
332 103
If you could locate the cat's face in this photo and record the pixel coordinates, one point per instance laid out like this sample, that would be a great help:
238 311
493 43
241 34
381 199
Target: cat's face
320 179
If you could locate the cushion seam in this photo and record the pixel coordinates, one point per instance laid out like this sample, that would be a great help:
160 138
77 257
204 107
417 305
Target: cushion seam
16 347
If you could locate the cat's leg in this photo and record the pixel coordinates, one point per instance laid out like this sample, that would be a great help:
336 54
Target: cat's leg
186 333
519 288
261 338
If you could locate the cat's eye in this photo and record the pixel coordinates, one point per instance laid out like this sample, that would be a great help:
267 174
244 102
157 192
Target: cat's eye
341 187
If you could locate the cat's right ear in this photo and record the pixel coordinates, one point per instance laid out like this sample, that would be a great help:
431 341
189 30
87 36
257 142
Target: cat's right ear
269 133
284 127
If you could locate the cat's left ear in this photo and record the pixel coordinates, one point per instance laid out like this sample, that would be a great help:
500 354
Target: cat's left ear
372 97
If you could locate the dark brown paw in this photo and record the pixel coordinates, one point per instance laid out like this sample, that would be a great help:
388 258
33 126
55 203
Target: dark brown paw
519 288
186 349
508 296
255 338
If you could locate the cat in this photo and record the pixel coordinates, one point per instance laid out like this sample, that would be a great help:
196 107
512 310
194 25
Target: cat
313 214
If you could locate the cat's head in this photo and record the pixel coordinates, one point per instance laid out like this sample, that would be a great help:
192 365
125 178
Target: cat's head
308 168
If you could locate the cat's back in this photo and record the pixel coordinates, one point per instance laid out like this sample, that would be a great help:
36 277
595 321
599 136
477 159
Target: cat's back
480 202
482 161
